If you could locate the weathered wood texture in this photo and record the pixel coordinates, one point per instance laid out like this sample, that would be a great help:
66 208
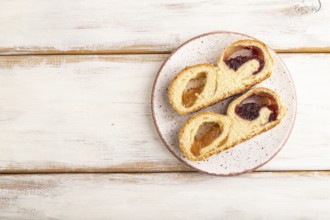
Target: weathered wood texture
92 114
101 26
165 196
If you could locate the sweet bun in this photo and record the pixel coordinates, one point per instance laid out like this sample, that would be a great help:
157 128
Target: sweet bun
242 65
253 113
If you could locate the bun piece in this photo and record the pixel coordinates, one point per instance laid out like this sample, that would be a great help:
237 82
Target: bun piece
242 65
253 113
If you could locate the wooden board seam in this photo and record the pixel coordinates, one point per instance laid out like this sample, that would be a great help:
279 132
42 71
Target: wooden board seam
146 52
326 172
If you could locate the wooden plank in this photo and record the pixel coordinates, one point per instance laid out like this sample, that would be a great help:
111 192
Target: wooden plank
148 26
92 114
165 196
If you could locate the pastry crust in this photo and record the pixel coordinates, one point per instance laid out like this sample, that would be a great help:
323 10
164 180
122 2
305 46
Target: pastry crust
179 83
190 128
221 81
235 129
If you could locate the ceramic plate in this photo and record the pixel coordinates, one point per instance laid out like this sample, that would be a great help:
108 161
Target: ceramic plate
243 157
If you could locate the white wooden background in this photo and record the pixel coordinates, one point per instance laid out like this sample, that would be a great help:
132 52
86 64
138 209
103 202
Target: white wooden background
76 135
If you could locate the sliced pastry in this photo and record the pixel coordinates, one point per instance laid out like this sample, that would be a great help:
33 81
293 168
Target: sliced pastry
193 88
253 113
242 65
203 135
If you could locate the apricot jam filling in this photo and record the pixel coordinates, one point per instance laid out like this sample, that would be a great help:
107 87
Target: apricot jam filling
242 55
193 89
249 108
206 134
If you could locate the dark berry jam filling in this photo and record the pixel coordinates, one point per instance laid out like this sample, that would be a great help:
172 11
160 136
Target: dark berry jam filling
248 111
236 62
272 117
251 110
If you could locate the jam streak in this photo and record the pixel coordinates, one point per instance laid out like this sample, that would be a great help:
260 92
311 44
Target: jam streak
250 111
212 131
236 62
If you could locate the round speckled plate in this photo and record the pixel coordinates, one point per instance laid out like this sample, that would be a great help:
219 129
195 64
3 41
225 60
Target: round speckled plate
243 157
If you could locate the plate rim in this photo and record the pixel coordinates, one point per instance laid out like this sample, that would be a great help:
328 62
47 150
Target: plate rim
161 135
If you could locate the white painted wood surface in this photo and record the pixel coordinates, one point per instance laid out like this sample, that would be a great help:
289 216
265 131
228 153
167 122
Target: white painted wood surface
92 113
101 26
165 196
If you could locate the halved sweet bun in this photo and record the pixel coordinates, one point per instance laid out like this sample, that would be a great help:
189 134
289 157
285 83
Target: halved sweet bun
242 65
193 88
203 135
255 112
